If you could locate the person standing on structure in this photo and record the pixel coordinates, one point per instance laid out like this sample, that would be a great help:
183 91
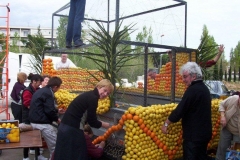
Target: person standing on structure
74 27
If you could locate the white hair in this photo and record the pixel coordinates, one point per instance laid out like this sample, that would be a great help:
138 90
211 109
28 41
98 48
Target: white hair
191 68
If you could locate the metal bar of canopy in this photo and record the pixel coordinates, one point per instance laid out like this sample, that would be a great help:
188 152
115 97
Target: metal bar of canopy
150 11
62 8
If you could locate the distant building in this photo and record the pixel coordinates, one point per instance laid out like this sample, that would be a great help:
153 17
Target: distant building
23 32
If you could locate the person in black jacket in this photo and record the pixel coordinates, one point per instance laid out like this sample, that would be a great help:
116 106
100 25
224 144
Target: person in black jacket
195 111
71 143
43 112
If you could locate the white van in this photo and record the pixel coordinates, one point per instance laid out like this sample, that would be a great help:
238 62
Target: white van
21 62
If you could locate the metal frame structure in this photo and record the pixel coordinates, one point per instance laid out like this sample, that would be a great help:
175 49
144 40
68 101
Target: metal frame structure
117 18
145 45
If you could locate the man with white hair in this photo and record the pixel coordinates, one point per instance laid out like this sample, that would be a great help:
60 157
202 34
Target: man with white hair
195 112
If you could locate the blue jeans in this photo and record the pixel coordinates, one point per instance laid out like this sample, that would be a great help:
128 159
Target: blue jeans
75 18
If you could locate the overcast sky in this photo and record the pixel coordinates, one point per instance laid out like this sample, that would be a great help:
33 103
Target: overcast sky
220 16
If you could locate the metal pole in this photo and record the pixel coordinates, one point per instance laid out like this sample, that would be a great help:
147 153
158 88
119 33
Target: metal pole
145 75
173 72
185 36
52 32
160 63
117 13
108 16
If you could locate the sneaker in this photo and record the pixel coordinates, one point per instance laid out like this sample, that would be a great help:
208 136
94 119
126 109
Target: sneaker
40 157
26 159
33 151
78 43
68 45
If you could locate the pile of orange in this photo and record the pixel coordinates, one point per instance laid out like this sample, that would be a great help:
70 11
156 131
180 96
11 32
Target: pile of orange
143 137
161 85
47 67
79 79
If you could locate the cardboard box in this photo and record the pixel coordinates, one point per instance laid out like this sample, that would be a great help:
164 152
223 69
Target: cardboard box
236 146
9 131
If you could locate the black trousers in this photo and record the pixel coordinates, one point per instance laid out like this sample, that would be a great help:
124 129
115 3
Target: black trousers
17 111
195 150
26 150
71 144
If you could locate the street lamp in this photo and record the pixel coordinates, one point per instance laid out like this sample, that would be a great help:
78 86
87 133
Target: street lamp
161 37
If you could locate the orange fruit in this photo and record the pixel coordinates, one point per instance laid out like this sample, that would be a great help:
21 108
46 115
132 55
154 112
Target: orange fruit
174 152
124 117
49 60
145 130
110 130
121 121
101 138
140 121
155 138
164 148
176 148
169 152
142 126
179 141
158 142
214 133
114 128
105 135
44 63
149 133
54 71
129 116
135 118
152 135
170 157
119 126
161 145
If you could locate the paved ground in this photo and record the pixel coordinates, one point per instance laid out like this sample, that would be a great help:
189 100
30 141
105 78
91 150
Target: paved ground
16 154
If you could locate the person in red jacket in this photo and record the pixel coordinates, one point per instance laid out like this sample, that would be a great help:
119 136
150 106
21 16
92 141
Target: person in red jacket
209 63
27 94
94 151
212 62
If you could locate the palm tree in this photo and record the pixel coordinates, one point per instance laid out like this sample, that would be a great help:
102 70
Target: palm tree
113 55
